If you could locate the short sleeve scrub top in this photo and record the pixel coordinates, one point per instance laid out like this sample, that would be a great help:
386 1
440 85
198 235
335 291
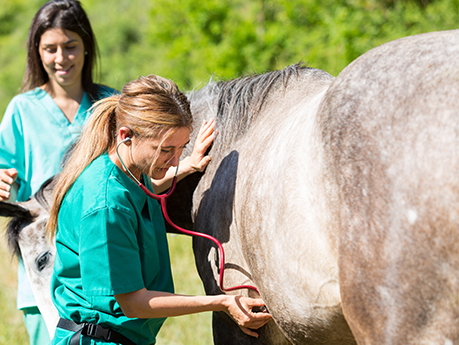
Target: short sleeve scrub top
34 136
110 240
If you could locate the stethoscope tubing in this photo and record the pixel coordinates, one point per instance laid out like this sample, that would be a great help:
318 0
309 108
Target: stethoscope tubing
162 198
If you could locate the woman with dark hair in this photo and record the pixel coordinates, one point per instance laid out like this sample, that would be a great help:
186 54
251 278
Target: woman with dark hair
42 122
57 91
65 15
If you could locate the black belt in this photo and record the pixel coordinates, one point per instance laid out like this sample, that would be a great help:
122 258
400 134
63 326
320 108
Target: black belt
94 331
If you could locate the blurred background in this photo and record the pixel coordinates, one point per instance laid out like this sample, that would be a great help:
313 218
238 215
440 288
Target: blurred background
190 41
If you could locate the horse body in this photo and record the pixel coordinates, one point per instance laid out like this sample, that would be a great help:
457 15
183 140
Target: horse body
358 199
263 197
392 139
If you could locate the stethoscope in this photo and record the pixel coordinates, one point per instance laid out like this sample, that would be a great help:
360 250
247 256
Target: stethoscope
163 199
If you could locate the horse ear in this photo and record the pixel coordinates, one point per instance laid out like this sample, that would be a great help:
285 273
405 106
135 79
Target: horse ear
9 209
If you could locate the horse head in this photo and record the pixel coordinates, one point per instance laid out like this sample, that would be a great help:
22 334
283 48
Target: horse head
27 240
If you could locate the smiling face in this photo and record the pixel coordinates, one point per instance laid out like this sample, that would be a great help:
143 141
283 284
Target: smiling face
62 54
154 158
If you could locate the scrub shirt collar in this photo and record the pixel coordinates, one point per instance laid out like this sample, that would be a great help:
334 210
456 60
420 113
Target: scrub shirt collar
137 193
57 113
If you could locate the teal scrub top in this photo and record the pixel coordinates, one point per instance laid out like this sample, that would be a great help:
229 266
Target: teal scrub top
111 239
34 135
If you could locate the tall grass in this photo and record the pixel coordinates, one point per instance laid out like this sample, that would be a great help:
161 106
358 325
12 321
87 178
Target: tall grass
189 330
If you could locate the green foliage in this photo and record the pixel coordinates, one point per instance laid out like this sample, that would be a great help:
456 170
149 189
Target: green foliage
15 17
191 40
230 38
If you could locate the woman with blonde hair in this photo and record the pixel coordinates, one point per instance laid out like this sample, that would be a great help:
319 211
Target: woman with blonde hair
112 280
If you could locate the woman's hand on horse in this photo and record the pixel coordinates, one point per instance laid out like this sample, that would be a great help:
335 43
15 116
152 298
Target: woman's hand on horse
7 178
198 159
241 310
195 162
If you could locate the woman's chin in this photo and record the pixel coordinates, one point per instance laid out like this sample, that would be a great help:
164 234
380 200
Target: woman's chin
159 174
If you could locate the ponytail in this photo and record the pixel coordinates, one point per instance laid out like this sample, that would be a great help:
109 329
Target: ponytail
150 107
97 137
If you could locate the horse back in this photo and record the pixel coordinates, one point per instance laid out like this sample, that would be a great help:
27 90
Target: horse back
263 197
391 129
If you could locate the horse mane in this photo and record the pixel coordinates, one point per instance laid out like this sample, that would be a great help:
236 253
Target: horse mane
241 100
23 215
40 196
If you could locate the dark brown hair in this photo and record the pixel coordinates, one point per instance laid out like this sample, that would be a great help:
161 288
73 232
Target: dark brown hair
65 15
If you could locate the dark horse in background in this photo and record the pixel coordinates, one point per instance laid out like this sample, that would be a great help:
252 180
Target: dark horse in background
337 198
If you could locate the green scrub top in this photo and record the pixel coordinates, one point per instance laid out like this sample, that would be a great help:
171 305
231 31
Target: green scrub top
110 240
34 135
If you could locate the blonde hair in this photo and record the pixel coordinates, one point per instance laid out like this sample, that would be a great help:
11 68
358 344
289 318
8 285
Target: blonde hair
149 106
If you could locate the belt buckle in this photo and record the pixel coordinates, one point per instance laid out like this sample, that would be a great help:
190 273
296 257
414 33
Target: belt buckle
98 332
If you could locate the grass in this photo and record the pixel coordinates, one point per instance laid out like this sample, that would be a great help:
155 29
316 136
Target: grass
12 328
190 329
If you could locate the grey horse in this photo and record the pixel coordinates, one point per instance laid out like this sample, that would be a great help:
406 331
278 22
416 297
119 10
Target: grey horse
338 198
264 197
390 128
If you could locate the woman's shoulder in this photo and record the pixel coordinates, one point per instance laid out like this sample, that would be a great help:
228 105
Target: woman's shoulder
103 186
28 96
24 104
98 174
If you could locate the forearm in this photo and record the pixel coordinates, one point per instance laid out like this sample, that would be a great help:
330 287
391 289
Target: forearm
155 304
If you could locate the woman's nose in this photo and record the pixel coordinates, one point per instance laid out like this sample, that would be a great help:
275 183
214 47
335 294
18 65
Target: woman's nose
174 161
59 57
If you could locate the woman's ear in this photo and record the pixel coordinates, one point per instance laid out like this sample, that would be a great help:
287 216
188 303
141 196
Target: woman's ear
125 135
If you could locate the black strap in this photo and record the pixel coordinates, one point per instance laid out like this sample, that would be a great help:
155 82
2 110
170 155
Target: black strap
94 331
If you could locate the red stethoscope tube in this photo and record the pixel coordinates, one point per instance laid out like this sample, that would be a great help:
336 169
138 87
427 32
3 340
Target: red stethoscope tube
163 199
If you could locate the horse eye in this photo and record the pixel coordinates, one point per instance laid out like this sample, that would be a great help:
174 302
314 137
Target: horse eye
42 260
